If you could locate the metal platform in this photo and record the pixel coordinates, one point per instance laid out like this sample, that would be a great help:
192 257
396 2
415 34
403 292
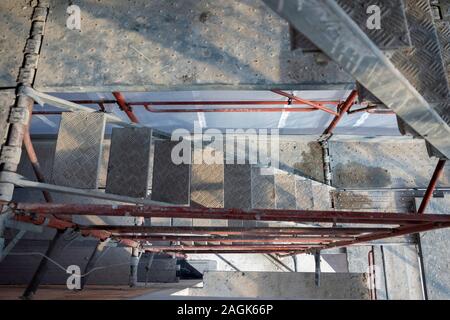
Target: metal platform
167 45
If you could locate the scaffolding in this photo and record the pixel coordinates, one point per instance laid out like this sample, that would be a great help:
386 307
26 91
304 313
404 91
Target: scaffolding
343 41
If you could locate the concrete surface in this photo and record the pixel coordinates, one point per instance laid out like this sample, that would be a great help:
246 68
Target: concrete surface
15 25
357 257
329 263
282 285
192 44
435 253
397 272
402 273
382 163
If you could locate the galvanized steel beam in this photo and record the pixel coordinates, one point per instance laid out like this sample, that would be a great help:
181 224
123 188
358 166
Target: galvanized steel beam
327 25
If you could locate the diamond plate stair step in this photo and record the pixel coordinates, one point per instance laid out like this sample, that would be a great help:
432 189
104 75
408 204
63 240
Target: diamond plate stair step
321 196
426 65
285 196
443 28
129 162
161 269
275 191
170 182
313 195
303 193
207 189
79 150
263 194
271 192
285 190
394 33
237 189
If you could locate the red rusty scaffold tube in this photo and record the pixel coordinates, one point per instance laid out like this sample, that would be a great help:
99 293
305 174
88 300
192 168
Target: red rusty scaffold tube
342 111
149 105
437 174
307 102
125 107
149 211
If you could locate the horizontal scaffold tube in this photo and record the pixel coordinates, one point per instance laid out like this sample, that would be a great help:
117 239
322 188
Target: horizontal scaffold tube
236 214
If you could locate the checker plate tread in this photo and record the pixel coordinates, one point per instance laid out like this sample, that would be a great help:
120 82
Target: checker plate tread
129 162
78 150
170 182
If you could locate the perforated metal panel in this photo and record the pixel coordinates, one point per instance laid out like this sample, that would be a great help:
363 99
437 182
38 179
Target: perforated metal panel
129 162
78 149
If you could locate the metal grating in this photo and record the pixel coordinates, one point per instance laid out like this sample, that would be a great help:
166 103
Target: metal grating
129 162
78 149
